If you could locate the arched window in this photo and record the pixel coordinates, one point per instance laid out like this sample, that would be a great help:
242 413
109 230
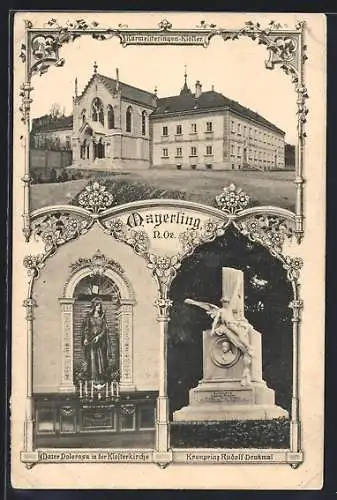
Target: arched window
144 123
97 111
111 117
129 119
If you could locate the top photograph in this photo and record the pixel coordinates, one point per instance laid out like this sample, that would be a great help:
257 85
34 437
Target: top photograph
164 111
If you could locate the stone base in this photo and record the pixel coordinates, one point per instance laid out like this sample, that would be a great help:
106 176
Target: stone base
214 412
228 400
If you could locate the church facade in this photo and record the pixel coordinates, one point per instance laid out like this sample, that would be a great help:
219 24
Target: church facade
117 126
111 124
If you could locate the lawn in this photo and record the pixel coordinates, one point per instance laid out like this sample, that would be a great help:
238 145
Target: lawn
264 188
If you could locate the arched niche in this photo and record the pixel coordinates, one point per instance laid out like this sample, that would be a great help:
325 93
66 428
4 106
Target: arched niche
124 318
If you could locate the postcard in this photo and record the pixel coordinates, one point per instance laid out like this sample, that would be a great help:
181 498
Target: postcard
168 250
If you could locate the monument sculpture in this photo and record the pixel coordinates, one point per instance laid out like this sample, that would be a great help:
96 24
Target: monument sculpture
232 387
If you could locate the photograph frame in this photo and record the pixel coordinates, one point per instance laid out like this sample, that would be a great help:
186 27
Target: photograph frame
285 47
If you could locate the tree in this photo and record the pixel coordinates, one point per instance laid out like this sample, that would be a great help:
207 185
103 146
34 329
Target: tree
55 111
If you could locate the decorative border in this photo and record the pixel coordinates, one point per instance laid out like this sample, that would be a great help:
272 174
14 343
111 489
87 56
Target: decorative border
270 227
285 49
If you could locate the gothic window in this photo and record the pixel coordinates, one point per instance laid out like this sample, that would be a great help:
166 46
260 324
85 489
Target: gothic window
97 111
111 117
129 119
144 123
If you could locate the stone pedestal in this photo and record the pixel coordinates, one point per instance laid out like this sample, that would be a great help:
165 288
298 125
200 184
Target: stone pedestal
228 400
222 393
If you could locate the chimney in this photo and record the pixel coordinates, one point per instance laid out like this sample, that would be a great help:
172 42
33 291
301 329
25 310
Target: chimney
117 79
212 88
198 88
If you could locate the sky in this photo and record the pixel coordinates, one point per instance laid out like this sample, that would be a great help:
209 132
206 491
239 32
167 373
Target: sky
235 68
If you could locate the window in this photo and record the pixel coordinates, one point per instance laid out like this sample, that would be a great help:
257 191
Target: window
244 130
68 142
209 150
239 128
144 123
209 127
239 151
250 131
194 128
97 111
232 149
179 152
165 152
165 131
193 151
233 127
129 119
111 117
179 130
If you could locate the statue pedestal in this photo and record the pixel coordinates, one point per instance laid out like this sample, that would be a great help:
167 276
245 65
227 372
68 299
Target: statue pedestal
228 400
220 395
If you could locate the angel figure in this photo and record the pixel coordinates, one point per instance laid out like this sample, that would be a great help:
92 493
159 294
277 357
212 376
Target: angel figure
235 330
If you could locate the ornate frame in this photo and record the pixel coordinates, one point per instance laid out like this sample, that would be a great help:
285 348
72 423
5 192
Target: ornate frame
285 48
268 226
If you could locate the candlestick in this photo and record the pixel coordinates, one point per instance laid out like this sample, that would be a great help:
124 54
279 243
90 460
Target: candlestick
81 389
86 388
106 390
92 389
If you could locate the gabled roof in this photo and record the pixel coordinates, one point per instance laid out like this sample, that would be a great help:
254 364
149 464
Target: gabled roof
128 91
207 101
96 127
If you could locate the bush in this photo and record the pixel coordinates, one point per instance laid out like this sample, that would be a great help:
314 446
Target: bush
125 191
231 434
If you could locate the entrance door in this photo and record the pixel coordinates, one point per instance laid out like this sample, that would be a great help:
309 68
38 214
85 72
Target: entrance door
100 149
